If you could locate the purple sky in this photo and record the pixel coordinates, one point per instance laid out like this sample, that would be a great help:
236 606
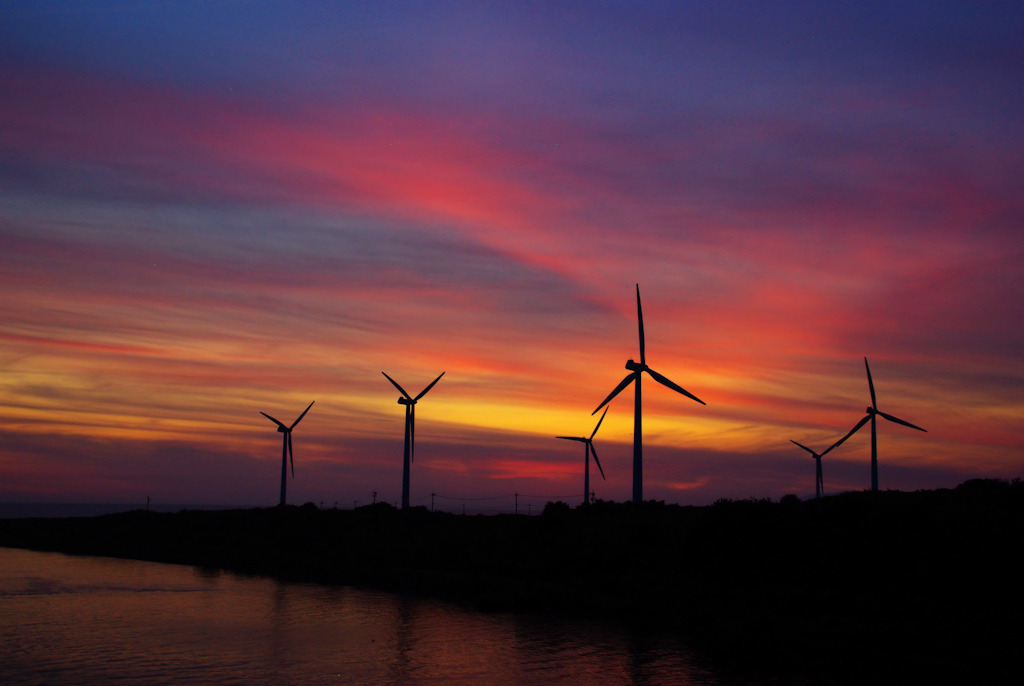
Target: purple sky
208 210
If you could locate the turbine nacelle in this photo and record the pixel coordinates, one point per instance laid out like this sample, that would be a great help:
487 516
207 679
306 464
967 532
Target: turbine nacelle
814 454
871 410
406 401
635 366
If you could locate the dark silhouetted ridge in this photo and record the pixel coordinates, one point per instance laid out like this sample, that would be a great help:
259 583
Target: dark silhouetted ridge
862 587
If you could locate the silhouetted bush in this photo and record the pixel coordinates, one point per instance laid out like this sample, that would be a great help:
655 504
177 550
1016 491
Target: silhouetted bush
555 509
984 486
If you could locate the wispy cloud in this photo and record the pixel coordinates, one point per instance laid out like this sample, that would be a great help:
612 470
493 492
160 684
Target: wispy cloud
201 224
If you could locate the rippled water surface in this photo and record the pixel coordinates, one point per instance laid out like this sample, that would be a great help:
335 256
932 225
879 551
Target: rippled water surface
67 619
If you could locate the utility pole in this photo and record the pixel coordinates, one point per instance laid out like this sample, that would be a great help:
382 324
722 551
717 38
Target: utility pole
432 496
517 503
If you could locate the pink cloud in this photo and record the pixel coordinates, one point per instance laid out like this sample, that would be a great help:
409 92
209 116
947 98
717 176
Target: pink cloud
765 282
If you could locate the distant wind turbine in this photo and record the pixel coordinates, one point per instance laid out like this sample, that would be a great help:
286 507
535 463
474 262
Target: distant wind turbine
635 374
410 431
819 483
588 450
286 452
872 412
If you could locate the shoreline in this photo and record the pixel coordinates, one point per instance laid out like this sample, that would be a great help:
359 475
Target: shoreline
857 587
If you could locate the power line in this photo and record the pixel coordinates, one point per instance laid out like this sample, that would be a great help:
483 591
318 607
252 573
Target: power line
514 497
500 497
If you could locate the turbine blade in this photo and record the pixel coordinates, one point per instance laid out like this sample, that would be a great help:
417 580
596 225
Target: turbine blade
804 447
291 455
395 384
596 461
599 423
871 385
424 391
640 323
301 416
572 438
674 386
900 421
618 389
273 420
854 430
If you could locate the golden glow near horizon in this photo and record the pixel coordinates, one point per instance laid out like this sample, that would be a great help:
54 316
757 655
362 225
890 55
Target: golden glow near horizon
61 393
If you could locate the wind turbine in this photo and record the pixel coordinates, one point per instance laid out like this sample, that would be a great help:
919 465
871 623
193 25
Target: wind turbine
286 451
588 449
819 483
410 431
636 371
872 413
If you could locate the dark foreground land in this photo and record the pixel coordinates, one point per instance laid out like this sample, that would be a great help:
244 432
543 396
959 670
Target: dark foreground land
855 588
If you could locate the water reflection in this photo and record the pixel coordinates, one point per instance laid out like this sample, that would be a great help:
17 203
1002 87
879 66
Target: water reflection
93 620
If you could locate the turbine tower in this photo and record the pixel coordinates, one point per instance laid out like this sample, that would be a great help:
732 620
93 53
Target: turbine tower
588 449
872 413
819 483
286 451
410 431
636 371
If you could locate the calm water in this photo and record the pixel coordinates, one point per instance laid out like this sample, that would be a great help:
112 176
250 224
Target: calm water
80 620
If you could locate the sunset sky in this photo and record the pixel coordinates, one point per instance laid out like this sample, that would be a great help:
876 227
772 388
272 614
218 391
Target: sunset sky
212 209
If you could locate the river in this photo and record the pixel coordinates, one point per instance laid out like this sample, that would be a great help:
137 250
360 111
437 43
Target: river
77 620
